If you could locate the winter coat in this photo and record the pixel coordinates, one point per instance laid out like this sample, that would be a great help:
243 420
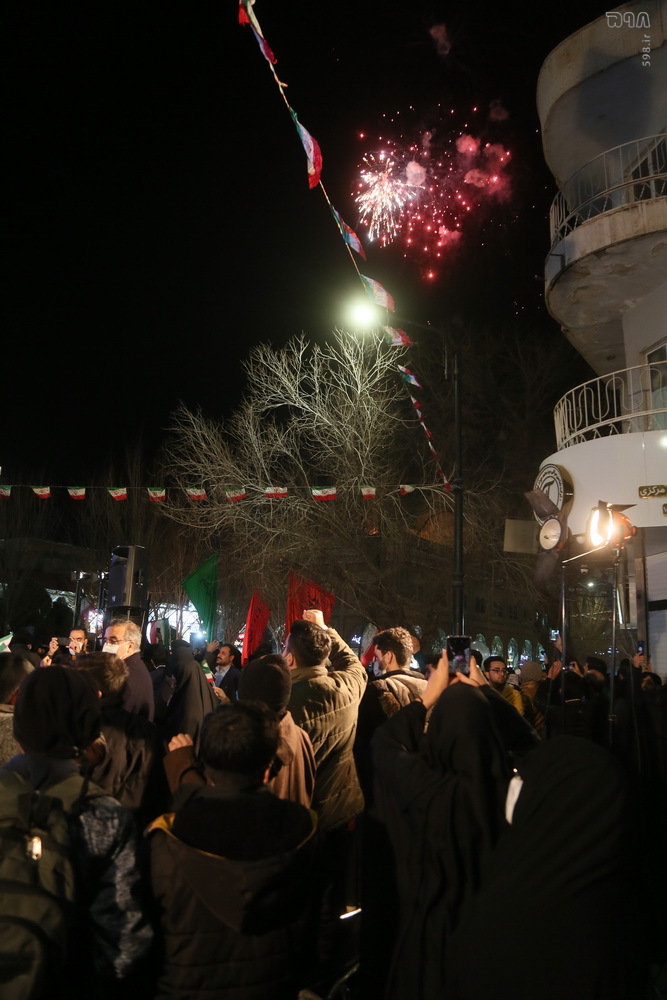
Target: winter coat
325 703
138 691
235 922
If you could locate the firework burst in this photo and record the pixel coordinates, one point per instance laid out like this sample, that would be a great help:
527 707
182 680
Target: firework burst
421 194
383 197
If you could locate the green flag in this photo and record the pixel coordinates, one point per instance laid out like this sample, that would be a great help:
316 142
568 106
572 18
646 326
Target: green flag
202 589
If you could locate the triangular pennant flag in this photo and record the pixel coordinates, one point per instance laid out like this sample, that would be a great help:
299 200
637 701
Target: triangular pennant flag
233 495
313 154
275 492
377 293
77 492
5 641
247 16
404 489
408 376
5 491
329 493
195 494
369 492
117 492
156 493
43 492
396 338
348 234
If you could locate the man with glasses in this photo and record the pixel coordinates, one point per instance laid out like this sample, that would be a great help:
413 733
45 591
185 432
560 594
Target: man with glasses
495 669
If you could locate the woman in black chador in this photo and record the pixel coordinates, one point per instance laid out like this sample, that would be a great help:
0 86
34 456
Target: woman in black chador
442 797
561 882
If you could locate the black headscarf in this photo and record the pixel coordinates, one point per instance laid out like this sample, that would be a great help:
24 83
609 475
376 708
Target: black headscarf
192 698
57 712
442 802
561 868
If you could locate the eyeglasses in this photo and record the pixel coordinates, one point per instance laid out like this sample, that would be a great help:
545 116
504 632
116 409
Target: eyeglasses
497 670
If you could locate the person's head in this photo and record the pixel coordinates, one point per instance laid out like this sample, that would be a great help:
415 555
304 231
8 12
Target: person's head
393 649
78 641
268 680
107 670
651 681
122 637
228 656
57 713
238 744
495 668
307 645
21 637
531 677
13 668
596 666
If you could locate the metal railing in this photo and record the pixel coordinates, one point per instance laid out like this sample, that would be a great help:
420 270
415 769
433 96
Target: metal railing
633 172
624 402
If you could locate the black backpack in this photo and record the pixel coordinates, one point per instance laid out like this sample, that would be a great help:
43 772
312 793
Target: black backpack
37 882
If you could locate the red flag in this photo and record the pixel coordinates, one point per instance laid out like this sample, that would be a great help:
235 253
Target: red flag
255 626
329 493
303 594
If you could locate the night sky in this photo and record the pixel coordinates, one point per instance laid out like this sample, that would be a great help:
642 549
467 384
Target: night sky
159 219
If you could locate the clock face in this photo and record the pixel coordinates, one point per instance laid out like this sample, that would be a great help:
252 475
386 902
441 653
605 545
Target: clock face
550 533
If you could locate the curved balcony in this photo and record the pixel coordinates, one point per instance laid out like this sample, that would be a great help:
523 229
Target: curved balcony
631 173
624 402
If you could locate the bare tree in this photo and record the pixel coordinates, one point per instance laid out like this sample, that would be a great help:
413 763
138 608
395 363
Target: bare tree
316 417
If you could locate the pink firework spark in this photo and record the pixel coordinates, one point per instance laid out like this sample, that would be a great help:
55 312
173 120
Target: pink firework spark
434 185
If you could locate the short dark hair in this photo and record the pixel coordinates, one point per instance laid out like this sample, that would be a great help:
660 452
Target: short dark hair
107 670
309 644
13 668
240 738
596 663
234 650
397 641
494 658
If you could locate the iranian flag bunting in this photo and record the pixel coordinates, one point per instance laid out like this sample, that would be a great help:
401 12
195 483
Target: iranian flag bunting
369 492
234 495
377 293
329 493
275 492
43 492
195 494
313 153
5 491
404 489
408 376
117 492
156 493
77 492
397 338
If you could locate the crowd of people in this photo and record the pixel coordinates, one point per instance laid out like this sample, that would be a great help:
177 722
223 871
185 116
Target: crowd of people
267 830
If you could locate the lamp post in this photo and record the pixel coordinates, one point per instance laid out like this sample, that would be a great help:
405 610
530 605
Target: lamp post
367 316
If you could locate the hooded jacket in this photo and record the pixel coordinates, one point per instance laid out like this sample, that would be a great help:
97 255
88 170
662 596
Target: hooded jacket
235 925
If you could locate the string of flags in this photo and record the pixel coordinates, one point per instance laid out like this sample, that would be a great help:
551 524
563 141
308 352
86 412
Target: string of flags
158 494
374 290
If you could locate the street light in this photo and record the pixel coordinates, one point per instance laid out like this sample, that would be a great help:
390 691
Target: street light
366 316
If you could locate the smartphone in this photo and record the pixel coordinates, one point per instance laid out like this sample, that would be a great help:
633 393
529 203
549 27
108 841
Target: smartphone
554 634
63 640
458 654
641 647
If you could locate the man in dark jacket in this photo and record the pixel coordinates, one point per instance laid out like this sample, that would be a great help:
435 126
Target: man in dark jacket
232 871
123 638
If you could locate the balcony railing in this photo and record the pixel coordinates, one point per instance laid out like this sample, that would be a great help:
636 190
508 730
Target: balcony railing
624 402
635 171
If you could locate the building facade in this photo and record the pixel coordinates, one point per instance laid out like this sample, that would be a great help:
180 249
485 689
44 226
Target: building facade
602 102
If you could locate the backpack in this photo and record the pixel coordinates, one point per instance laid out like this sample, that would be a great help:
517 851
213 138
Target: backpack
37 882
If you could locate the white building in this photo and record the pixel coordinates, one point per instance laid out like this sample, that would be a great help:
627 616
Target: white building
602 102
